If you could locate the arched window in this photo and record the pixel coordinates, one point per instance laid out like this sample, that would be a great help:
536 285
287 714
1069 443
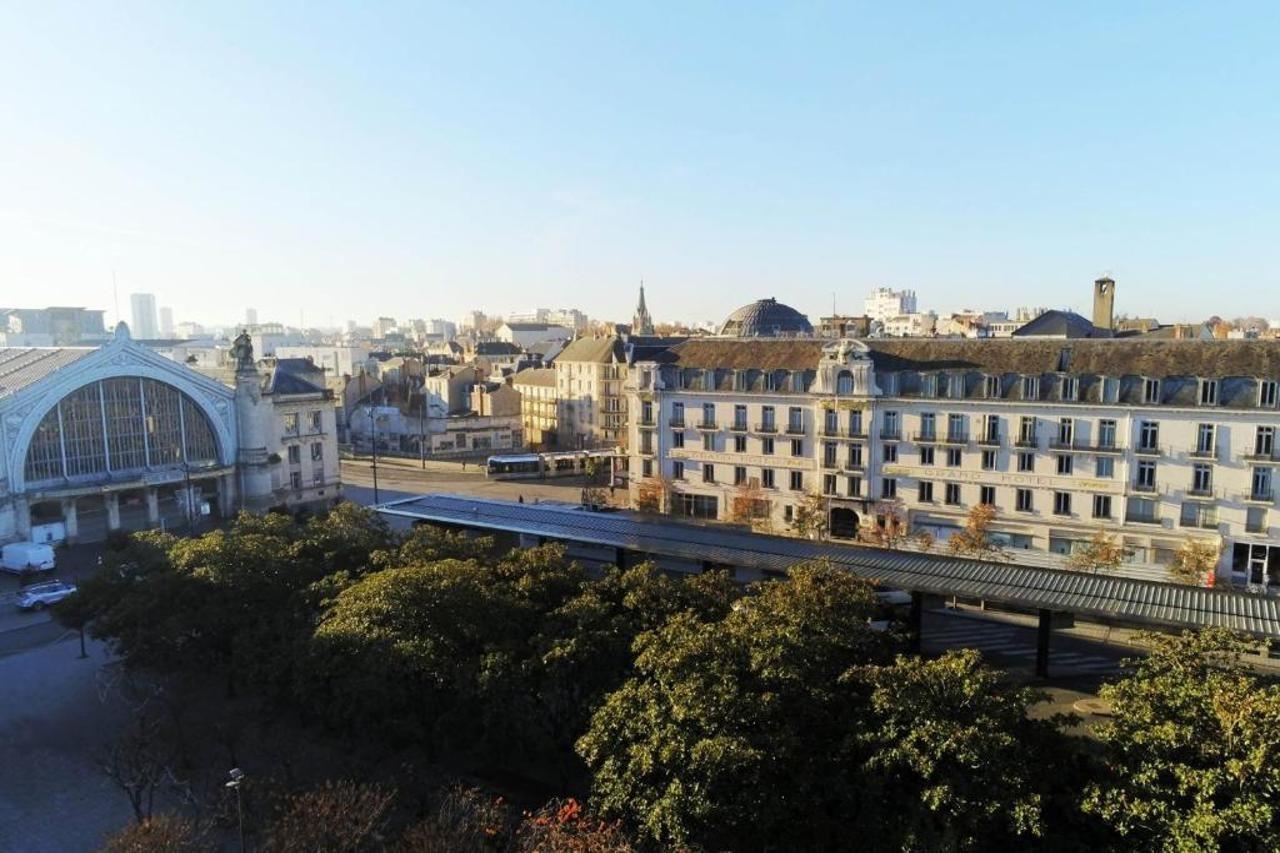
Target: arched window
119 425
844 382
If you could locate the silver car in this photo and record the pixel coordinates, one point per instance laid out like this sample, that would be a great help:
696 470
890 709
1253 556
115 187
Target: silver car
41 595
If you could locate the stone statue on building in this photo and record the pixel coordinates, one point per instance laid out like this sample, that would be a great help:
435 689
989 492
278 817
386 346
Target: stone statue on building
242 352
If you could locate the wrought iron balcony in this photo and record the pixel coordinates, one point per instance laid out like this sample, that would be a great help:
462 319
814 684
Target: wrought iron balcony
767 428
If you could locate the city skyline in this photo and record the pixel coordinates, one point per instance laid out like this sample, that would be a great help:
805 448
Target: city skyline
987 158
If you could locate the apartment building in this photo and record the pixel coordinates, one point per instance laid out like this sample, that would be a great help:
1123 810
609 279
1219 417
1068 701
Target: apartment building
591 409
1154 441
538 404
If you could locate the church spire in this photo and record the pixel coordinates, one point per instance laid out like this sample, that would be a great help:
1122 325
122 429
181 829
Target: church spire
641 322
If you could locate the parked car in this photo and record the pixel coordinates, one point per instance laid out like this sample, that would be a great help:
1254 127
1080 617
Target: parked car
41 595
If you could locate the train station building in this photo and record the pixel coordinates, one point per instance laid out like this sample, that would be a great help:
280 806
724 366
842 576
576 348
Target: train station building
118 437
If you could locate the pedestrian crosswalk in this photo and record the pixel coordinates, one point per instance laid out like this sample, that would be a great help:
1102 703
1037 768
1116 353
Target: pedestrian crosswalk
1011 644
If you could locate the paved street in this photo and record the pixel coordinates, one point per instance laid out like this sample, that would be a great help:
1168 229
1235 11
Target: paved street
404 478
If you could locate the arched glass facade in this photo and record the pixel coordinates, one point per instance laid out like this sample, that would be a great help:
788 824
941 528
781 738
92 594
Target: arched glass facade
126 425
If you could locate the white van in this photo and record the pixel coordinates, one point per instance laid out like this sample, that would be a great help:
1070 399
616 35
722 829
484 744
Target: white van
27 557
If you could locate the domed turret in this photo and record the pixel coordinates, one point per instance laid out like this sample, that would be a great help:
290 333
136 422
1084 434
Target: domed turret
766 318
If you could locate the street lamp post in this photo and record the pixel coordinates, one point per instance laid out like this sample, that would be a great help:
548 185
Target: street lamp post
237 777
373 445
422 430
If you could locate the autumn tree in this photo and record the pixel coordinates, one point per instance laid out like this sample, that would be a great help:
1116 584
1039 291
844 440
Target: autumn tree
887 526
974 539
160 833
337 816
1102 553
1195 561
749 504
1190 751
810 517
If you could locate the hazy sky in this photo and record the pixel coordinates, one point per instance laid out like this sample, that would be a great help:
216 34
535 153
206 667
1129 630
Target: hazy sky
419 161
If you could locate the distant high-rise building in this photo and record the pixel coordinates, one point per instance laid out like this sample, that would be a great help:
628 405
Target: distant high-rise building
251 316
166 322
641 322
382 326
145 326
884 303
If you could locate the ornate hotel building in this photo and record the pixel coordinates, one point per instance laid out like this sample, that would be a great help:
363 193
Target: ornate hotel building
1154 441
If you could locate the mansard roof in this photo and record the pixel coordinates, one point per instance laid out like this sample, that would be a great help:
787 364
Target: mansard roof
743 354
1155 359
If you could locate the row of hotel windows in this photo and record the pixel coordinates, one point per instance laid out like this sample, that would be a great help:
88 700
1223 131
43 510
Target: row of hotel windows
1064 464
1067 434
953 386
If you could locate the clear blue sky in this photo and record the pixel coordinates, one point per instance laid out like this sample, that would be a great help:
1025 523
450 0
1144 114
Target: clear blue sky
418 161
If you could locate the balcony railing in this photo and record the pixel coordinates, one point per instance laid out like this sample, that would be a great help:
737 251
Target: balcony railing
1147 450
850 465
1202 522
1267 496
767 428
646 421
1106 447
1142 518
1027 441
1193 492
1145 488
989 440
890 435
856 432
1256 455
1260 529
925 438
1203 453
677 423
959 437
1061 443
705 424
738 426
795 429
831 464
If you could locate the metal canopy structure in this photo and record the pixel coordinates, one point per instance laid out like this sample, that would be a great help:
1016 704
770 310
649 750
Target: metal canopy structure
1112 598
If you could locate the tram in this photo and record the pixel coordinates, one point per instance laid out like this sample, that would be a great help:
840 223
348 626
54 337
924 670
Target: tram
540 466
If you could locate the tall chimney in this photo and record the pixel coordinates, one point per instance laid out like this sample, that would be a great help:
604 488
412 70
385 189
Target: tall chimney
1104 303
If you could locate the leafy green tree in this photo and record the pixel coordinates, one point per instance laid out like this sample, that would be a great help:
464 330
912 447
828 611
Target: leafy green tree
728 732
583 650
1191 753
951 755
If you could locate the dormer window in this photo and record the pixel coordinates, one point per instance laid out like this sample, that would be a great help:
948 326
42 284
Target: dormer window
844 383
1070 388
1110 390
1031 387
1267 393
1208 392
993 387
889 384
955 386
770 381
739 380
1151 391
929 385
797 381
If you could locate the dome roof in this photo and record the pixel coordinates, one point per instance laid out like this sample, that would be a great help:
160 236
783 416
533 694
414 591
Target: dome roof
766 318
